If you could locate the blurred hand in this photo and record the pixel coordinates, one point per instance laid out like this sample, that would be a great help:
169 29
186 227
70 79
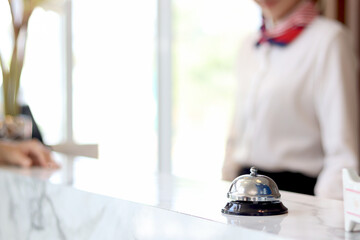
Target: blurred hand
26 154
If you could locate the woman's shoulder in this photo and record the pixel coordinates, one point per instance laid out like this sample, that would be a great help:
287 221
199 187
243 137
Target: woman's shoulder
323 33
327 27
247 43
250 38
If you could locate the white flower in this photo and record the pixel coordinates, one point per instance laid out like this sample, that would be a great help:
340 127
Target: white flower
57 6
49 5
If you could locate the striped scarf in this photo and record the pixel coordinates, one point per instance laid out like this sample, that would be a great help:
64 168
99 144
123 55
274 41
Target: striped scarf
288 29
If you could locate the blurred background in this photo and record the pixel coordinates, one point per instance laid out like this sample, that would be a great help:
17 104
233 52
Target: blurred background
142 84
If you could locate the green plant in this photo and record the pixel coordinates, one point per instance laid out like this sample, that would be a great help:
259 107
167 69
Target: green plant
21 11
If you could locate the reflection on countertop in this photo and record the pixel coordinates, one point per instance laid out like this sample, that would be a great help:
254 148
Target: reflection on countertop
92 199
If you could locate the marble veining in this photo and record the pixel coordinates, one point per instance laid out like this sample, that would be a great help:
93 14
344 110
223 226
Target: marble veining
33 209
88 199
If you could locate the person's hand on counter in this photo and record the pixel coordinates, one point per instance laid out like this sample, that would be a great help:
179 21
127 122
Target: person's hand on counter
26 154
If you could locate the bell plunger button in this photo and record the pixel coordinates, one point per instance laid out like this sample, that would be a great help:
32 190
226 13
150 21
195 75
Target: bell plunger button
253 172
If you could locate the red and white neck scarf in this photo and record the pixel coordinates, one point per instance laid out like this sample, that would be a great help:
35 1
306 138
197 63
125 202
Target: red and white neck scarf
288 29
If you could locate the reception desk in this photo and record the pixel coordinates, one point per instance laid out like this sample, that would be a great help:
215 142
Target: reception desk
93 199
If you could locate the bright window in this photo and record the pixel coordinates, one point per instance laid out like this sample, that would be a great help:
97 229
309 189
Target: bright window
114 79
115 74
207 35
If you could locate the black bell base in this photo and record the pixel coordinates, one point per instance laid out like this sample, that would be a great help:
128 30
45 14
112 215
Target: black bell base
248 208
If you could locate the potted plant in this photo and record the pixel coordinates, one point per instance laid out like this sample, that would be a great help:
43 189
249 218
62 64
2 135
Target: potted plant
15 125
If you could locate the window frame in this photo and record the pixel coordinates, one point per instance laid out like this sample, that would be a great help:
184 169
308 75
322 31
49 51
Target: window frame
164 101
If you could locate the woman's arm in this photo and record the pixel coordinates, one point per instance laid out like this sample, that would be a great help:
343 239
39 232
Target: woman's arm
336 103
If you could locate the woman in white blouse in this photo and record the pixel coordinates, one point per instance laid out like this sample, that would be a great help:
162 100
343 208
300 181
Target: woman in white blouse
296 117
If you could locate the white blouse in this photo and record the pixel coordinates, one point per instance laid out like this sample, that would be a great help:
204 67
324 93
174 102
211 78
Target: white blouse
297 107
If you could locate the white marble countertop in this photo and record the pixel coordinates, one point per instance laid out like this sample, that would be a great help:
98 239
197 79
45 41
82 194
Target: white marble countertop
91 199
